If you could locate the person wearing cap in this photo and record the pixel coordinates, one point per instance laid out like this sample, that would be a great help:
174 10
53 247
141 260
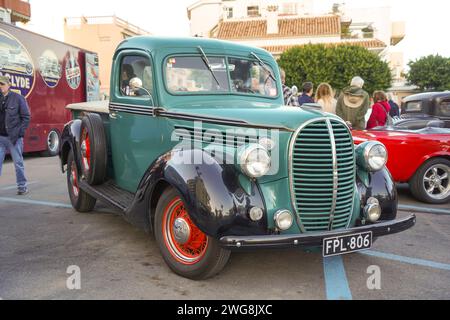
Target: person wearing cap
353 104
14 120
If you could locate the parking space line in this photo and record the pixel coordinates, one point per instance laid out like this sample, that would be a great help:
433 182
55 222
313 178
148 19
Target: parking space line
336 282
414 261
423 210
12 187
34 202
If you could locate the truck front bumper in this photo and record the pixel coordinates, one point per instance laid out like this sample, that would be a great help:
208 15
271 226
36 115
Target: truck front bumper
314 239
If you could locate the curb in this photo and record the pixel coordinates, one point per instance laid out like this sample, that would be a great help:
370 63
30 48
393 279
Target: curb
424 210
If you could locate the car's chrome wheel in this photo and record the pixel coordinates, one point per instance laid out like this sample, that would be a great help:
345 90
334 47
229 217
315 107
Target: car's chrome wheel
436 181
53 142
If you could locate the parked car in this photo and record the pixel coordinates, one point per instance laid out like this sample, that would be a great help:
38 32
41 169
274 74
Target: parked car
421 109
418 157
198 148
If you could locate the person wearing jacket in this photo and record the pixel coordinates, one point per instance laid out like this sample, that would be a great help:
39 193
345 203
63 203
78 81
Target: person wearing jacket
14 120
395 109
380 110
353 104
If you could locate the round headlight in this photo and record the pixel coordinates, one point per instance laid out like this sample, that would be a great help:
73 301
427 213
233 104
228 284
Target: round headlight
372 210
284 220
376 156
255 161
256 214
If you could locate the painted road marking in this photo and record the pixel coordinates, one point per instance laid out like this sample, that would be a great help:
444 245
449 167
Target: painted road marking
414 261
39 203
423 209
12 187
336 282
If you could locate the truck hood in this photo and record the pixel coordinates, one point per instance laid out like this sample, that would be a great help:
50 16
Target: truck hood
254 113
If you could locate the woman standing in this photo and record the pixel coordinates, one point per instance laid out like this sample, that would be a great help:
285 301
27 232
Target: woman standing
325 97
380 110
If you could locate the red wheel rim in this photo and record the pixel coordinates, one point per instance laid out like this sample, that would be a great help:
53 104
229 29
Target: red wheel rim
86 150
74 180
185 242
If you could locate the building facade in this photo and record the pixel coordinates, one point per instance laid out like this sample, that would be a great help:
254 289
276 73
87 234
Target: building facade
101 35
278 25
13 11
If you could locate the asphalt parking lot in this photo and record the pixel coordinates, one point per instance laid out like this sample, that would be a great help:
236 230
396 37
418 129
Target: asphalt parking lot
41 236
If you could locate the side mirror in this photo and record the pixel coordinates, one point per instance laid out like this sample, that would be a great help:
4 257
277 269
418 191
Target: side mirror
294 90
136 86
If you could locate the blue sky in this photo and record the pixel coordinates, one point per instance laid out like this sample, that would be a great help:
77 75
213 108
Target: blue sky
426 22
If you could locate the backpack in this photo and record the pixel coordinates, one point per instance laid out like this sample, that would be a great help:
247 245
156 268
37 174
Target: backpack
389 119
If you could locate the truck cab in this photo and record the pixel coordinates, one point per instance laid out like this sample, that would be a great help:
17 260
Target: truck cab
197 147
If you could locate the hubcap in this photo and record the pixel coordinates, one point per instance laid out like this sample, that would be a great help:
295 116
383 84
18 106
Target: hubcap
53 142
181 231
436 182
185 242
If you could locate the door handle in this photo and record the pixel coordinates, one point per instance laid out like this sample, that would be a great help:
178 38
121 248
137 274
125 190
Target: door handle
113 115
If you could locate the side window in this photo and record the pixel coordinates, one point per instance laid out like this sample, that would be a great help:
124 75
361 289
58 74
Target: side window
414 106
136 70
444 108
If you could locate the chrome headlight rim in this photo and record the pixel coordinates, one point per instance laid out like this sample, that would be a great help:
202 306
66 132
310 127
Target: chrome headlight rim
367 154
277 217
372 204
244 155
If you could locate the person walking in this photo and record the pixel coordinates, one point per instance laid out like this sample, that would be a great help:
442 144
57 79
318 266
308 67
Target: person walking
325 97
306 97
353 104
395 109
289 98
14 120
380 110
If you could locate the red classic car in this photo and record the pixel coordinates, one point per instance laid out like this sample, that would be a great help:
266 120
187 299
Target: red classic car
418 157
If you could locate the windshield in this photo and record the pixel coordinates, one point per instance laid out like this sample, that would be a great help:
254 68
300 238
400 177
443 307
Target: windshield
186 75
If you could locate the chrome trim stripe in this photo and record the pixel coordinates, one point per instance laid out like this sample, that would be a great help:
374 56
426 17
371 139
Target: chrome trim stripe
152 111
335 173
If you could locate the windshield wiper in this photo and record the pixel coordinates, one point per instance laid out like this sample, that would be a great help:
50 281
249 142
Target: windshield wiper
206 61
264 66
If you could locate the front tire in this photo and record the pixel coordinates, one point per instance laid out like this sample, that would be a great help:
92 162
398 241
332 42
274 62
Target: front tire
81 201
431 183
187 251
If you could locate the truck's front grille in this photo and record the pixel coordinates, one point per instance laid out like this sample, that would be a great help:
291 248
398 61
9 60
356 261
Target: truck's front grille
323 175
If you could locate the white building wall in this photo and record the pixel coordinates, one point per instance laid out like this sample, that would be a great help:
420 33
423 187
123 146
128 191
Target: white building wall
288 41
5 16
204 17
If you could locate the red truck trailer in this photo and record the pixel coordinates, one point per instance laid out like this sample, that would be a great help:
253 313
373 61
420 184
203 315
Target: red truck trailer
50 74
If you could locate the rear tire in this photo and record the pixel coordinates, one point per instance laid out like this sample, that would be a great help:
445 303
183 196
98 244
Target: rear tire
186 250
81 201
431 183
93 149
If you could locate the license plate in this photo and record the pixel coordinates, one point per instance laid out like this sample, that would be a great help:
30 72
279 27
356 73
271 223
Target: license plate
347 244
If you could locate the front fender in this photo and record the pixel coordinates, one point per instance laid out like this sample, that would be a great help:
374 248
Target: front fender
212 193
70 140
381 186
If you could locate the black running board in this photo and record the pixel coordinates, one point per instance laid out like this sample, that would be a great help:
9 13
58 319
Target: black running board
110 193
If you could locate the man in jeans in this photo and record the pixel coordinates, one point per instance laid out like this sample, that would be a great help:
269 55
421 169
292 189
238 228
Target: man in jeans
14 120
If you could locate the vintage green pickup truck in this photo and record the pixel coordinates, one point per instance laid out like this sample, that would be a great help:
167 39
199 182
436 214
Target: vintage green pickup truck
197 147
